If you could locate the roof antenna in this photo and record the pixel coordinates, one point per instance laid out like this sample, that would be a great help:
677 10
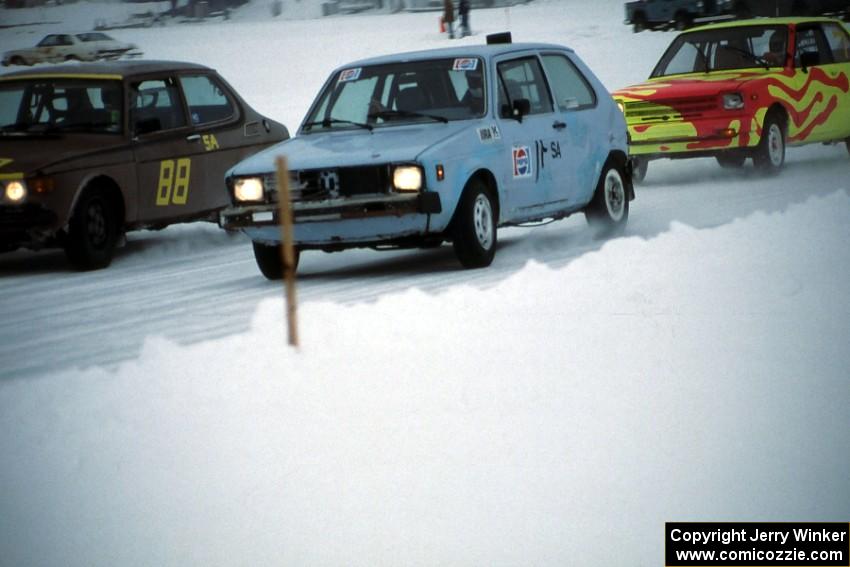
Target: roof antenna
501 37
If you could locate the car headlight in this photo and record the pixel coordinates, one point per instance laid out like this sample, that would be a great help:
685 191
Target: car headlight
407 178
621 105
733 101
15 191
248 189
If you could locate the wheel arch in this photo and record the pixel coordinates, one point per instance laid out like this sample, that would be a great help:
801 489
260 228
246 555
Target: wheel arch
112 188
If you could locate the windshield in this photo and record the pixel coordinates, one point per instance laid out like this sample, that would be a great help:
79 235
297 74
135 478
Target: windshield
725 49
420 91
61 105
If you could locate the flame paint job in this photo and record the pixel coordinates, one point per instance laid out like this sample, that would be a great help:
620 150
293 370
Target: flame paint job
664 118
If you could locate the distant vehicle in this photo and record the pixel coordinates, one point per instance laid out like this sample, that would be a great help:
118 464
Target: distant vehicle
743 90
90 151
415 149
678 14
87 46
785 8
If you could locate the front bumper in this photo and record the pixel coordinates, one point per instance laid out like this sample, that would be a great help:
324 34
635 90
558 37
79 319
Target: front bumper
25 225
696 137
362 207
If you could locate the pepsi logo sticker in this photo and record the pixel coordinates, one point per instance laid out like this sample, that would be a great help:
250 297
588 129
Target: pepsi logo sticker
350 75
465 64
522 161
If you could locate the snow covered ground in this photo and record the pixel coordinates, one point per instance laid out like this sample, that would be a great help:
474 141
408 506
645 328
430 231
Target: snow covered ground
556 408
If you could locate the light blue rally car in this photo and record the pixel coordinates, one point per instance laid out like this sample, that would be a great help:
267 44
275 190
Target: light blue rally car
415 149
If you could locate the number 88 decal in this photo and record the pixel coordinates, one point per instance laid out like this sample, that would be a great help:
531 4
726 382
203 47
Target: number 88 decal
173 185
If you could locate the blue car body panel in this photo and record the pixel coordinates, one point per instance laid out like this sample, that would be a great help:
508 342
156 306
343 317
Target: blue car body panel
544 165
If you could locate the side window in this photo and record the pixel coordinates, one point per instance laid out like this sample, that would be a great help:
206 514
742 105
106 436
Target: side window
156 106
49 41
206 99
65 40
570 88
523 78
839 43
811 40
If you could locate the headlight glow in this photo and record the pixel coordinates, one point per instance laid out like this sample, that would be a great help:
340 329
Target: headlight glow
16 191
407 178
248 189
622 107
733 101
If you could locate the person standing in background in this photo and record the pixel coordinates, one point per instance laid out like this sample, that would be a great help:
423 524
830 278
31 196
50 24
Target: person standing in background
449 17
463 10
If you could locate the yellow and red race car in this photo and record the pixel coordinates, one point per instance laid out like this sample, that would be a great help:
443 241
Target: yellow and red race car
741 90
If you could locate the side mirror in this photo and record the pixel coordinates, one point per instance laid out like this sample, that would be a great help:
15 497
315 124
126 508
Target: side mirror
521 107
809 59
147 125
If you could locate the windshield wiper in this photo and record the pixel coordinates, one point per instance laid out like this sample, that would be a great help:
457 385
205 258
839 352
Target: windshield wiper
326 123
394 113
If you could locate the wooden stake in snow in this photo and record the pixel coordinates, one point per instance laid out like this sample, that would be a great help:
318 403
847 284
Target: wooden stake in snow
287 249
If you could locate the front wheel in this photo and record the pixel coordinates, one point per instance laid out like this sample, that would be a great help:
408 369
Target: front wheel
608 211
269 259
770 153
682 21
474 227
639 168
92 231
638 23
731 160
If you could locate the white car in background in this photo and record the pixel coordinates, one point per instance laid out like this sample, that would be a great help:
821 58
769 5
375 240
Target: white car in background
85 46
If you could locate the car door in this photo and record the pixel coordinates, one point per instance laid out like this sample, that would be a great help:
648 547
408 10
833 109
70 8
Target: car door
576 139
524 174
838 44
814 117
217 123
168 153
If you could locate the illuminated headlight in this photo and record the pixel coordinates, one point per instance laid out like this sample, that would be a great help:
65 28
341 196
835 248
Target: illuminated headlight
622 107
248 189
733 101
15 191
407 178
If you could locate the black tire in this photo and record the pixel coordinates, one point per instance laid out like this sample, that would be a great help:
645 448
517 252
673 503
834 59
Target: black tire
608 210
474 227
731 160
847 143
270 261
17 60
72 58
93 230
769 156
638 23
742 11
639 168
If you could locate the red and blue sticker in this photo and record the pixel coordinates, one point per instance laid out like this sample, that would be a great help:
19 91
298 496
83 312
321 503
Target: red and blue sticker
522 162
350 75
465 64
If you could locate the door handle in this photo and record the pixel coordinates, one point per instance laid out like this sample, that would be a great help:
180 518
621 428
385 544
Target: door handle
558 125
193 138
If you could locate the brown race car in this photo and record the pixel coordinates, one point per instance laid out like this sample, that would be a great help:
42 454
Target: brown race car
90 151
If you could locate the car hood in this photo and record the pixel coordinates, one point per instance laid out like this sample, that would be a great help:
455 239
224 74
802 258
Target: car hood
50 154
689 86
391 144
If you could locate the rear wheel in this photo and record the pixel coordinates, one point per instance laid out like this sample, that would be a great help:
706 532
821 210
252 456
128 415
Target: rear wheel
17 60
681 21
474 226
769 156
92 231
608 211
270 260
731 160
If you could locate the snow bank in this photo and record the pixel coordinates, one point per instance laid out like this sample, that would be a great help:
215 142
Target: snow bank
699 375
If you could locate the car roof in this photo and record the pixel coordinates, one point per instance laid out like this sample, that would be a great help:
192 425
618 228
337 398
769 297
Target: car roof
112 69
762 22
484 51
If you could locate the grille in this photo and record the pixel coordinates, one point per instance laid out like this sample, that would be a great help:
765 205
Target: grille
15 218
644 112
321 184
